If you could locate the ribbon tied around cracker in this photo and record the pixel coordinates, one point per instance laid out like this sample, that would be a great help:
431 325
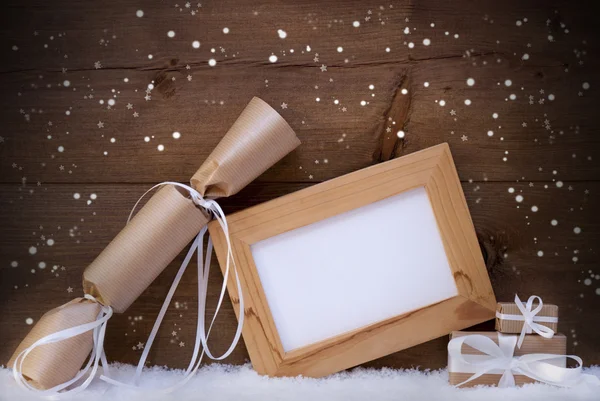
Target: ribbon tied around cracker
99 325
48 360
99 329
213 208
531 322
499 358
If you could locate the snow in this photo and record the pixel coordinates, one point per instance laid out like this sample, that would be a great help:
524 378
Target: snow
240 383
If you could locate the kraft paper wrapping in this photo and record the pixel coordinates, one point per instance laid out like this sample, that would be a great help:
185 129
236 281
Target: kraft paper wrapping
43 370
533 344
515 326
153 238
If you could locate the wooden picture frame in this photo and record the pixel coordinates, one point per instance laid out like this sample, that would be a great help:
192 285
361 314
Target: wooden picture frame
432 169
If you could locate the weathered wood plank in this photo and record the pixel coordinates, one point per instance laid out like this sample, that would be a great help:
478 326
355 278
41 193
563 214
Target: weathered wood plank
560 135
557 148
510 233
117 38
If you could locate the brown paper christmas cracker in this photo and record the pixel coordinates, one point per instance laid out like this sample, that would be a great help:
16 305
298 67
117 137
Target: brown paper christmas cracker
510 326
532 344
159 231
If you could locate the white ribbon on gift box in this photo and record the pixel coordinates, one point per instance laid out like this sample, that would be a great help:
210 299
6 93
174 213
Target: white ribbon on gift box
99 325
499 359
529 318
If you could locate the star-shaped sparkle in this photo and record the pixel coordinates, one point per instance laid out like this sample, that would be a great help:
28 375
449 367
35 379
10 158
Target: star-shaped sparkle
464 138
323 68
284 105
129 106
70 290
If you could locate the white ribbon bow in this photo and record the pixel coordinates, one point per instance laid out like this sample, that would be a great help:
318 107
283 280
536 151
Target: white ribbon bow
529 318
212 207
99 325
498 358
99 329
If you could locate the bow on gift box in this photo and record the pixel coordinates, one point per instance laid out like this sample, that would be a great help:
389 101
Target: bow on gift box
529 318
499 358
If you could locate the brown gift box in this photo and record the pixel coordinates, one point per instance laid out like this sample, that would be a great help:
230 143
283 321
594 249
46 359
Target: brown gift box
516 326
148 243
532 344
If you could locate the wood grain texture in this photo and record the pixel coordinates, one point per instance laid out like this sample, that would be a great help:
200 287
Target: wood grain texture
432 169
489 49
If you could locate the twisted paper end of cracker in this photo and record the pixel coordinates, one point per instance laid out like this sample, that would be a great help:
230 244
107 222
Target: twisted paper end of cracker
258 139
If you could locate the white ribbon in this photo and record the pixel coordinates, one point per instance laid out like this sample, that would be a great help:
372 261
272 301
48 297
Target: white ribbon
99 329
99 325
529 318
213 207
498 358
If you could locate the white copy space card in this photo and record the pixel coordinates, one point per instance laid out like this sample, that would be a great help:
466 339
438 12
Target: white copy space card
354 269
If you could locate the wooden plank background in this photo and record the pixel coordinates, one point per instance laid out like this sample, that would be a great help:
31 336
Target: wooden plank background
57 141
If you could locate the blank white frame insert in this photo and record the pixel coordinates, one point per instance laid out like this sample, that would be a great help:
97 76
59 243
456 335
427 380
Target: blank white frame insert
354 269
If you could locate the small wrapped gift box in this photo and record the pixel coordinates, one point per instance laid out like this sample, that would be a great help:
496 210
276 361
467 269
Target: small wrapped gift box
527 318
493 359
